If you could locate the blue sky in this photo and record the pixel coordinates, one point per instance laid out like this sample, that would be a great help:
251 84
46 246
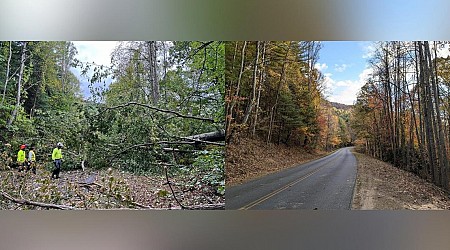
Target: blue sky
344 64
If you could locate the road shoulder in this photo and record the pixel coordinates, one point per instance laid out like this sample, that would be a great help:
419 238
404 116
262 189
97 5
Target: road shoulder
381 186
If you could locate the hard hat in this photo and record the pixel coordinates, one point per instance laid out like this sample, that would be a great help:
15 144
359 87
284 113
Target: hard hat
59 144
23 146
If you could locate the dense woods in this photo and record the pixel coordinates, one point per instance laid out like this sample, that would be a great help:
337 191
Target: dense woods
163 115
277 113
402 113
276 94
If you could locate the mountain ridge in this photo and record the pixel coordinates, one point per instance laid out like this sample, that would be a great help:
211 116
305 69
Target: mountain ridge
340 105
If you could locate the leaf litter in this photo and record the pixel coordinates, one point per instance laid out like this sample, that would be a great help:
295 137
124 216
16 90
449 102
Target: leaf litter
381 186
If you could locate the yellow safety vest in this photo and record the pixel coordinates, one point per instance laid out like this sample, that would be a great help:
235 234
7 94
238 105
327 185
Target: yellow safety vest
21 156
56 155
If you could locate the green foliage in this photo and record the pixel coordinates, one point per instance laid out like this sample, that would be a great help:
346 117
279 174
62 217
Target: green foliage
162 193
209 166
193 86
105 131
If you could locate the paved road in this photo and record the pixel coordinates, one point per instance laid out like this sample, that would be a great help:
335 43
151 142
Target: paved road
324 184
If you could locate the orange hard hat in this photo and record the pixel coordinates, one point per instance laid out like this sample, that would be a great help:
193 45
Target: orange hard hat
22 146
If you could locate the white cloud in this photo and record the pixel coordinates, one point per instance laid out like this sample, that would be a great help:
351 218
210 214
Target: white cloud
321 67
346 91
329 82
341 67
367 72
368 50
98 52
344 83
95 51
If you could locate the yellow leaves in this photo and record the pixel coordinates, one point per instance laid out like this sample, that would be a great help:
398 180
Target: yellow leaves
335 141
271 72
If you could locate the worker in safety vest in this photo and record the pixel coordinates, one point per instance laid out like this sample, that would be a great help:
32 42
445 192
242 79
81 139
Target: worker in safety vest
21 157
32 160
57 159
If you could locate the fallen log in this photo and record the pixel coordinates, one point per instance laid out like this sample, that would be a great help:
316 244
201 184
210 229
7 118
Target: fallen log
34 203
219 206
209 137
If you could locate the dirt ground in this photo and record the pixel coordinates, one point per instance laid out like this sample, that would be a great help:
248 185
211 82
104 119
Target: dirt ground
149 190
251 159
381 186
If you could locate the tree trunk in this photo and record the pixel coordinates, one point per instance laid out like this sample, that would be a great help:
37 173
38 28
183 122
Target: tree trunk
442 151
211 136
19 86
427 113
153 75
253 100
7 72
236 94
261 80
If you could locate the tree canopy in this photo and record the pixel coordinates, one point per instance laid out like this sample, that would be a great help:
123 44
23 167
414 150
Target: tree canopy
162 96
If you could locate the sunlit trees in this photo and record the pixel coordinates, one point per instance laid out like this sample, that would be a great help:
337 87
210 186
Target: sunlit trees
274 91
400 114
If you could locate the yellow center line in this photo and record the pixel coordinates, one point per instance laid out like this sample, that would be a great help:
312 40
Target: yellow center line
268 196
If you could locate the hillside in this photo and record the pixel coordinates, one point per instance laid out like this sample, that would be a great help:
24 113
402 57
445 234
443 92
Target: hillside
341 105
250 159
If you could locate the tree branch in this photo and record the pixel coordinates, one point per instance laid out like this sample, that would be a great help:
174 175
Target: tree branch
160 110
217 206
171 189
204 45
201 141
34 203
146 145
206 142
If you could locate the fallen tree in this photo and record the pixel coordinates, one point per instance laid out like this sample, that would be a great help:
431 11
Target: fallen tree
208 137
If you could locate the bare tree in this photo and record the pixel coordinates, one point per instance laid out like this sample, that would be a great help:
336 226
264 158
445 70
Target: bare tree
19 85
7 72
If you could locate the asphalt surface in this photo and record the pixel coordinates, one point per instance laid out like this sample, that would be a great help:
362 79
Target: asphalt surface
323 184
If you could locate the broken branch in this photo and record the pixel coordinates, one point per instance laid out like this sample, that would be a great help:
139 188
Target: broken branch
34 203
160 110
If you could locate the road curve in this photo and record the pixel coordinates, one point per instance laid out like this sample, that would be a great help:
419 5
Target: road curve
324 184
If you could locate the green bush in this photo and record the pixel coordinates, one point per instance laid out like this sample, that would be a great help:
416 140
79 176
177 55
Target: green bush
210 166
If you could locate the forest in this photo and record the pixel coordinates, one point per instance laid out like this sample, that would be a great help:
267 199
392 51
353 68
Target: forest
275 93
154 138
276 96
402 112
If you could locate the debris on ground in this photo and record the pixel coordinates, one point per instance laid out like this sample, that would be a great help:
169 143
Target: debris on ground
105 189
